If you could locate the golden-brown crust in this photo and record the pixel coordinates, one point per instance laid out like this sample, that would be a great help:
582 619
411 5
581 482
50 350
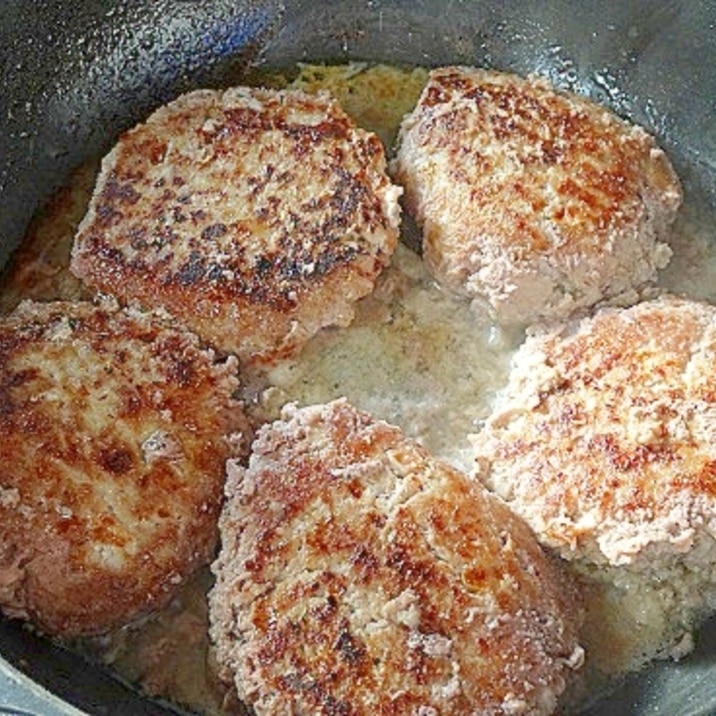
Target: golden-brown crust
358 575
536 201
39 267
254 216
114 431
604 438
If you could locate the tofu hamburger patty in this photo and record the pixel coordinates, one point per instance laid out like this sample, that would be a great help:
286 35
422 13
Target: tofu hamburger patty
254 216
114 432
604 438
359 575
534 202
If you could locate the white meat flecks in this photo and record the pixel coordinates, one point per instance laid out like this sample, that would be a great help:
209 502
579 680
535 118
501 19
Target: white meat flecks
533 202
396 585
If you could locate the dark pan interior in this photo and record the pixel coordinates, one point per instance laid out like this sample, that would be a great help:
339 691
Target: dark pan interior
77 73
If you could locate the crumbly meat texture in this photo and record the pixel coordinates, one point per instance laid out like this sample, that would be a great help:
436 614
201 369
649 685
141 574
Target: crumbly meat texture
39 268
604 439
114 433
254 216
359 575
533 202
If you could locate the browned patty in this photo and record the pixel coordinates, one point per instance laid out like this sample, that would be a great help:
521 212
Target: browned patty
114 432
534 202
604 439
39 267
254 216
359 575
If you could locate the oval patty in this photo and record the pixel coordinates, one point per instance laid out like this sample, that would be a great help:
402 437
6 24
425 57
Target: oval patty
604 439
358 575
254 216
534 202
114 432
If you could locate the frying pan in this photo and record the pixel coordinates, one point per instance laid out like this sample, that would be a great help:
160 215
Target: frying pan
75 74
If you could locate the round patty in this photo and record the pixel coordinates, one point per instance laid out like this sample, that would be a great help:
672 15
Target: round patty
359 575
114 432
535 202
604 440
254 216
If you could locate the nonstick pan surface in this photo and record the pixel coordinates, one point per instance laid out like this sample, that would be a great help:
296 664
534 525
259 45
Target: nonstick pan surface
75 74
